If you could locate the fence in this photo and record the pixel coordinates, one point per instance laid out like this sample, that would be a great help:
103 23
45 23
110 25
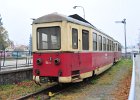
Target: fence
15 59
19 59
127 56
132 88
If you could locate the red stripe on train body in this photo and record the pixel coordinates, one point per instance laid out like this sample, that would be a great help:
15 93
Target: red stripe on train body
63 64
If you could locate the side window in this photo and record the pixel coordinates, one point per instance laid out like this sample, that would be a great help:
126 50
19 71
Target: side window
104 43
74 38
100 42
107 44
85 40
94 42
112 46
116 47
119 47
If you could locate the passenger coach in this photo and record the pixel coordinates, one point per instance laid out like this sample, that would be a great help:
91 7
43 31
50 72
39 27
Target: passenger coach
69 49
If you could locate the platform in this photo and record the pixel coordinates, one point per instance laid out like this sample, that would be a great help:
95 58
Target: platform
137 78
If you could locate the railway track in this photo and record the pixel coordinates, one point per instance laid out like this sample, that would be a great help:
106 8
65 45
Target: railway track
46 93
89 88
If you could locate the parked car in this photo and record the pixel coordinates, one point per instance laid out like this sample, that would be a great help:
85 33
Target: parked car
16 54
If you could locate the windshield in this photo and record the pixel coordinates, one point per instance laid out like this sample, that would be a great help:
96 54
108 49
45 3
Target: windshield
48 38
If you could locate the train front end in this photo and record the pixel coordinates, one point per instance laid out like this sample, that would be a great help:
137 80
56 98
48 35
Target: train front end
49 58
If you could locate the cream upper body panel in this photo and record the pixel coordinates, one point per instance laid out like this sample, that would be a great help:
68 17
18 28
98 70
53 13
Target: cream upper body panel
66 25
79 28
66 36
63 32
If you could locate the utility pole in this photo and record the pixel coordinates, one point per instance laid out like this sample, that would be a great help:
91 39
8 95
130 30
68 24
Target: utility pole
124 22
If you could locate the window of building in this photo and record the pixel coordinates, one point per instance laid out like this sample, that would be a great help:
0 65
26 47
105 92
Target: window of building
48 38
104 43
74 38
100 42
85 40
94 42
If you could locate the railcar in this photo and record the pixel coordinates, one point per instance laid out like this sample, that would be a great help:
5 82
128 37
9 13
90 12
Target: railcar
69 49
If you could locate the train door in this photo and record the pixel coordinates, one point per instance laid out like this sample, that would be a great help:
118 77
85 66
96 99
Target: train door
75 55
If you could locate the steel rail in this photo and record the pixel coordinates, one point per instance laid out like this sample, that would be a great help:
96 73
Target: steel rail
132 88
51 91
36 93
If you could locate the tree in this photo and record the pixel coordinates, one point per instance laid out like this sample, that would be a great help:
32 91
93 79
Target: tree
0 21
4 39
30 43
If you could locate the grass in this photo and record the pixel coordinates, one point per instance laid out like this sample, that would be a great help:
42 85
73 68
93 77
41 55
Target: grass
111 73
106 79
17 90
14 91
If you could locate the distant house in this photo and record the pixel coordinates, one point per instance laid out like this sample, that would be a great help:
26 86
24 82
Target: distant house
134 49
21 48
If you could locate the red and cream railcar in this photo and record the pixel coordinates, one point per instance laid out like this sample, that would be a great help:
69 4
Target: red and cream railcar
69 49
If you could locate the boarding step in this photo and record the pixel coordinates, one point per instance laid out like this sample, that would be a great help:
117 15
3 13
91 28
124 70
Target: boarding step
75 75
77 80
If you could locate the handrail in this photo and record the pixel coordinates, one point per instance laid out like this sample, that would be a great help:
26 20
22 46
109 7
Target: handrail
15 59
132 88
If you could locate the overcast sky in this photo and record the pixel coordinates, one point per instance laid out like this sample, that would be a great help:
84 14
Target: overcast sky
17 16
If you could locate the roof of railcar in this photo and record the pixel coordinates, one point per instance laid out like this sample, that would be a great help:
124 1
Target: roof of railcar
55 17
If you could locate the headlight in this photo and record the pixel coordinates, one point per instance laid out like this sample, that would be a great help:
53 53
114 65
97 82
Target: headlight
57 61
39 61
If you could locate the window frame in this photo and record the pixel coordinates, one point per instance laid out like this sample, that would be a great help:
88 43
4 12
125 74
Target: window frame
112 46
119 47
94 41
100 42
104 44
85 42
73 46
107 44
116 47
37 38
